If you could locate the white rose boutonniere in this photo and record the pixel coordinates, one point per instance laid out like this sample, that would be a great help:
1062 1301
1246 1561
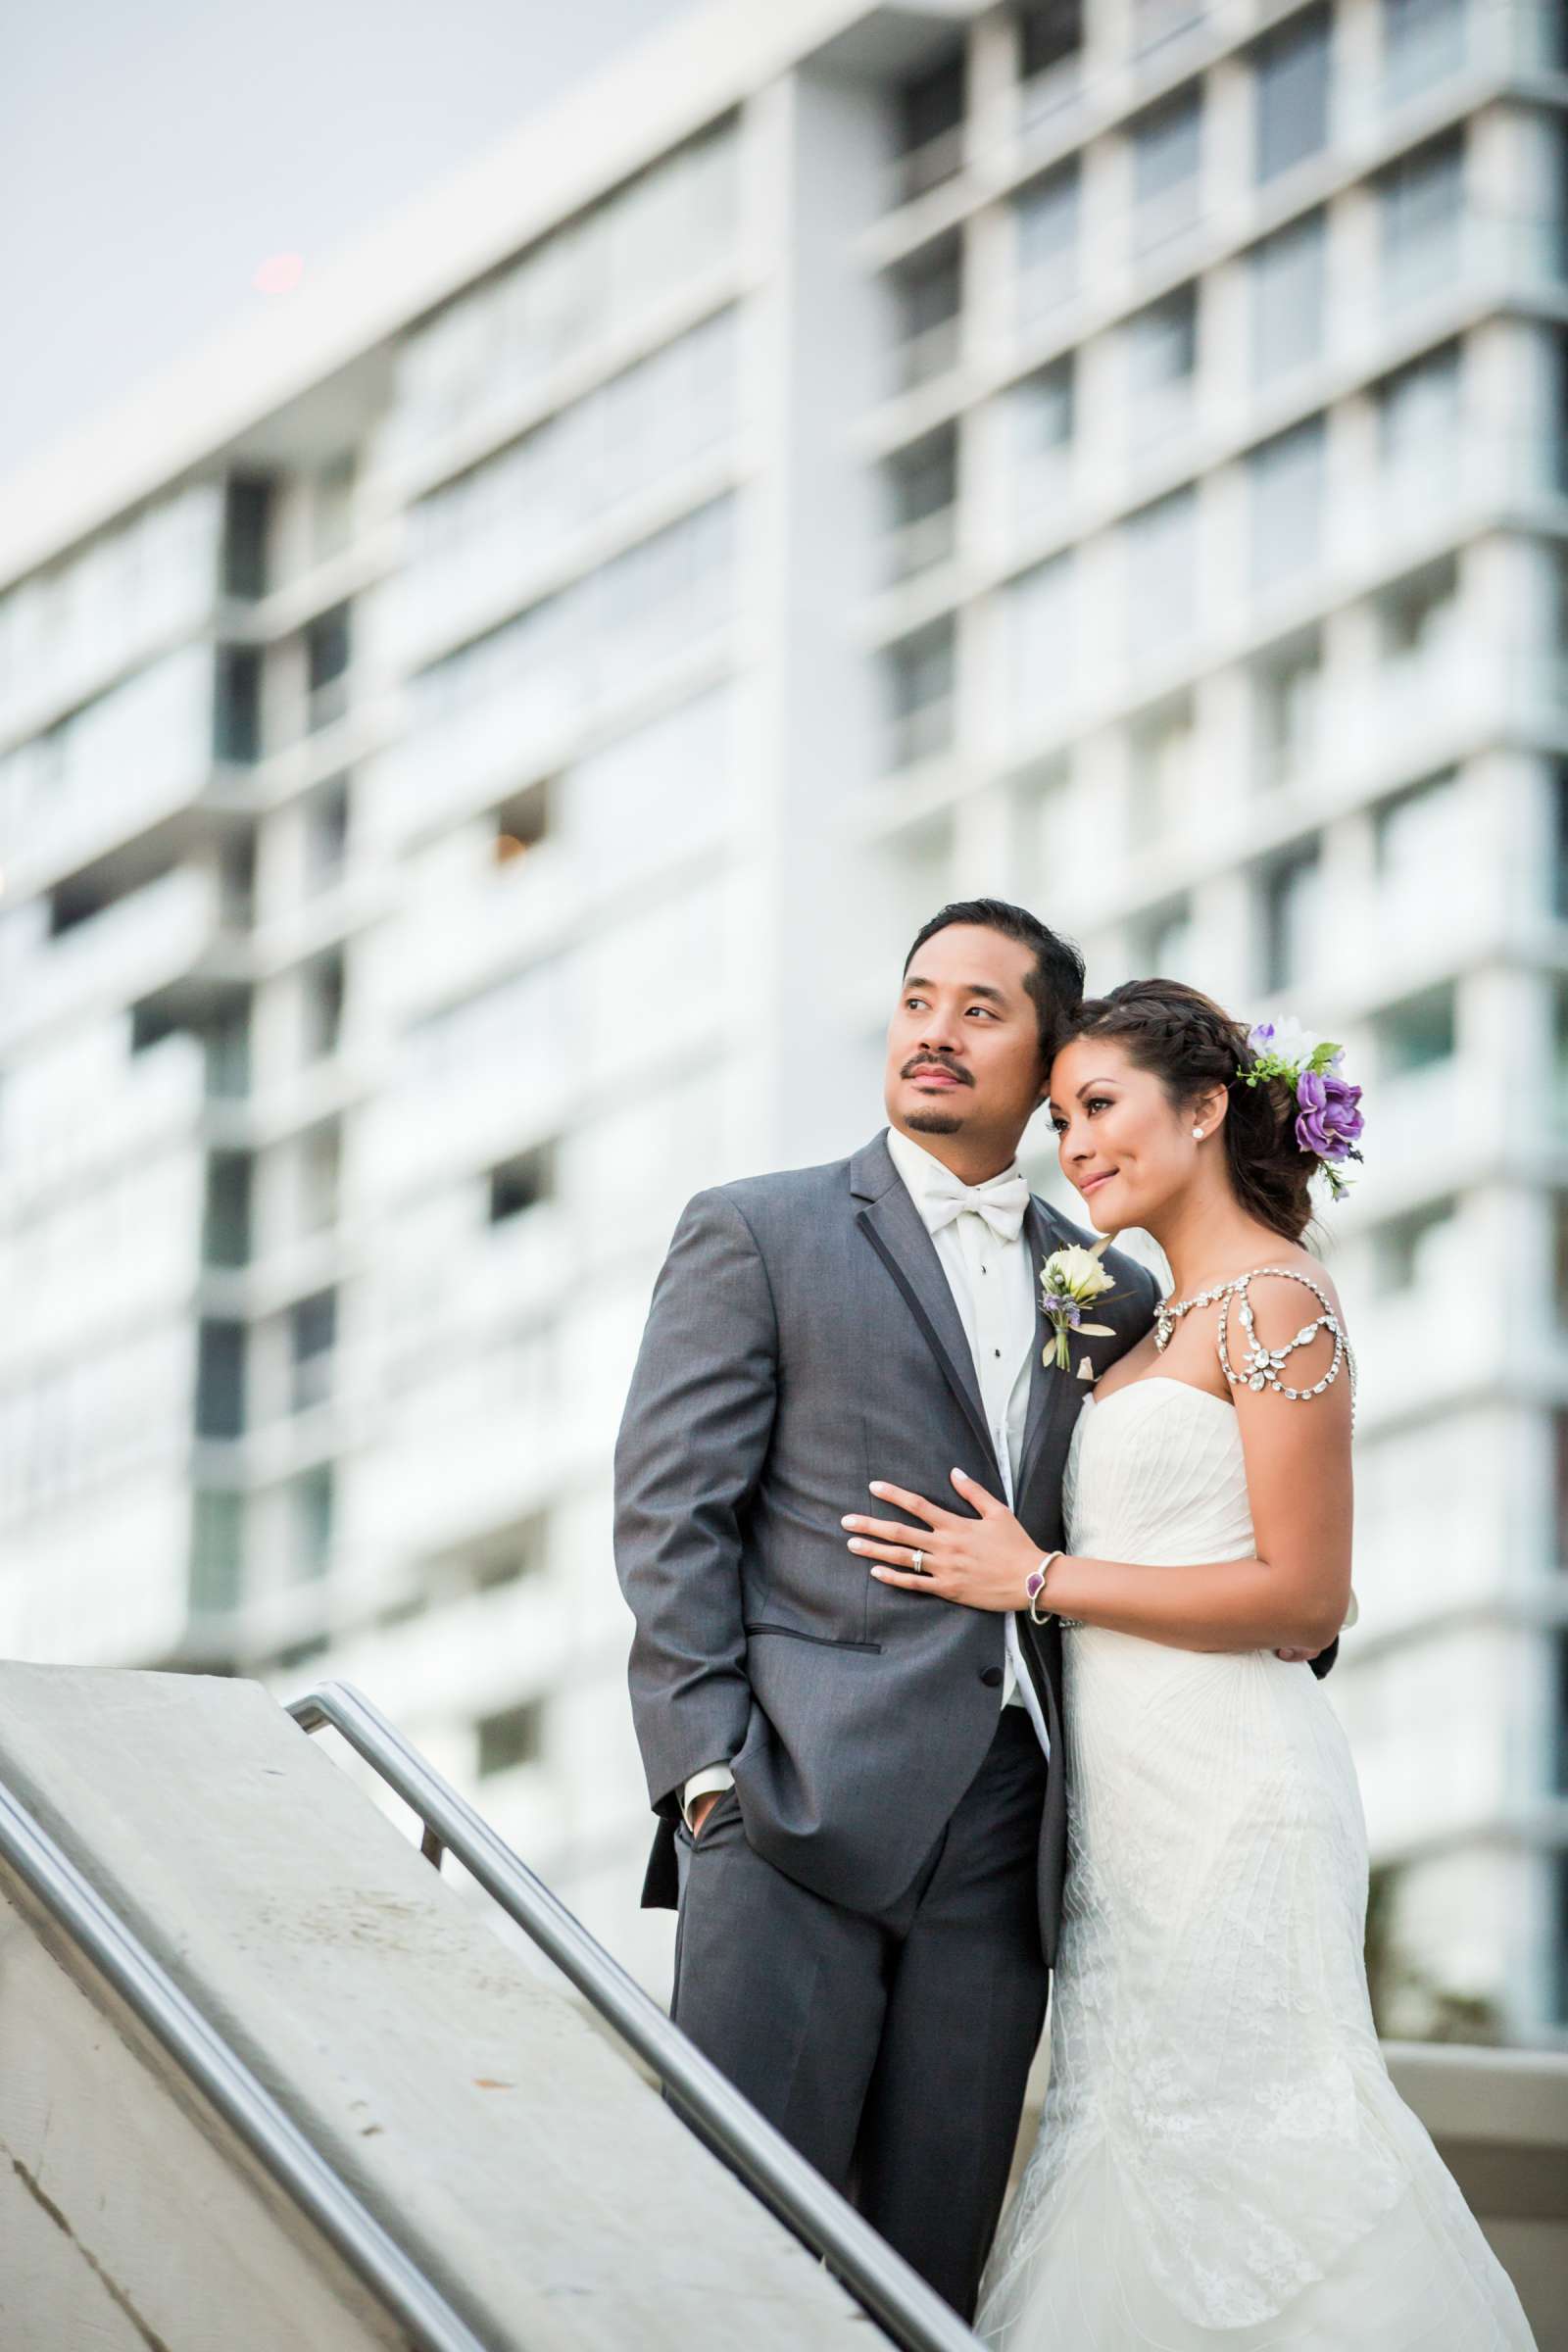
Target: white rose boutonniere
1071 1280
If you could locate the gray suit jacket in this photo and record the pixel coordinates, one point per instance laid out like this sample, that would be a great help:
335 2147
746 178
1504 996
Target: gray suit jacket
803 1340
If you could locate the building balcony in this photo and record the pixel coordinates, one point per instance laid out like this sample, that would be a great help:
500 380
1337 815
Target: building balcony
138 945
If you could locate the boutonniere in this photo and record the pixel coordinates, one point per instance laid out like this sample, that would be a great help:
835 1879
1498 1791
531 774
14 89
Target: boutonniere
1069 1280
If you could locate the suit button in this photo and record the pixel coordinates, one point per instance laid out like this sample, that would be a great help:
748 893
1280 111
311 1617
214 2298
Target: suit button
991 1676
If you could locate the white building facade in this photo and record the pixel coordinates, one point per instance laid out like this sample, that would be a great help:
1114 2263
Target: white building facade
474 750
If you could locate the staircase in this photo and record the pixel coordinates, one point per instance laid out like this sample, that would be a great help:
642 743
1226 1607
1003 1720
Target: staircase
266 2081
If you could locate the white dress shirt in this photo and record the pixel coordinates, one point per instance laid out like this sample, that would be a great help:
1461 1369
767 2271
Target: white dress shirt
993 1286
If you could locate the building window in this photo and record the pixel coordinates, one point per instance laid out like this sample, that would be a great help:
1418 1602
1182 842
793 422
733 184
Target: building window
1291 70
1409 1253
327 661
1048 33
1423 43
217 1551
1166 944
1040 416
520 1184
1287 475
521 821
247 523
1039 617
929 128
927 299
1168 151
332 507
237 706
1287 274
1418 422
1418 624
312 1342
1418 1034
504 1557
220 1380
326 834
227 1047
319 1174
1045 229
1292 896
1161 353
1288 686
1160 565
1417 845
322 1005
226 1212
510 1738
1162 758
921 486
920 683
313 1512
1421 214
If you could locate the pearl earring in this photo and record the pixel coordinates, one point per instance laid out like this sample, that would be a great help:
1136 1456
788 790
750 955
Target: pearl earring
1197 1135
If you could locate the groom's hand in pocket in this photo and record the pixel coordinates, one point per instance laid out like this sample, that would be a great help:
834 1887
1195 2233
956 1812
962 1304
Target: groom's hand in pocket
702 1806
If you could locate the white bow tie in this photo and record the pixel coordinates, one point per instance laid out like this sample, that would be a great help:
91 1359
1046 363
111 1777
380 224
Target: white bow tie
1000 1200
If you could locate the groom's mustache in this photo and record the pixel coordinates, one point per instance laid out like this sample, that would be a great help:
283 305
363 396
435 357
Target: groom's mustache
930 1061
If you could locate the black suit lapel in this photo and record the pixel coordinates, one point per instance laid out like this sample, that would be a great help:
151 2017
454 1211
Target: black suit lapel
895 1231
1051 1392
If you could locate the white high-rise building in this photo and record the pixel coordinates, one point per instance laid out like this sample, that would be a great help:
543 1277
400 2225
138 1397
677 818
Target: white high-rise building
475 745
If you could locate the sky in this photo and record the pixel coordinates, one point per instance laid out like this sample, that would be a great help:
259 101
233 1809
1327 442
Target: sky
154 157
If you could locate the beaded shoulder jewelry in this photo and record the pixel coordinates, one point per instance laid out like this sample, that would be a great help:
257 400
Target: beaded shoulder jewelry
1261 1366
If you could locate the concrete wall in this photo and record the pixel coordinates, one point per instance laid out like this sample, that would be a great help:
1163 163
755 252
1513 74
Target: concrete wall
539 2182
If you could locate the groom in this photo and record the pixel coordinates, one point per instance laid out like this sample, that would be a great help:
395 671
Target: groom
862 1807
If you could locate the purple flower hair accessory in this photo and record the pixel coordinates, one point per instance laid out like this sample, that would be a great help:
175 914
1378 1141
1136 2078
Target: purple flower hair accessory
1328 1113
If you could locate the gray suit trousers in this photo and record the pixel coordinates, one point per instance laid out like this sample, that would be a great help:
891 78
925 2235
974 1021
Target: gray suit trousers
891 2047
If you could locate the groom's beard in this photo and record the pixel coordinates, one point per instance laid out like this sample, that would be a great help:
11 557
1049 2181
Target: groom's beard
933 1122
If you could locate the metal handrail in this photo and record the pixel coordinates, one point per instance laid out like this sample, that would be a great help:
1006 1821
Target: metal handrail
207 2060
880 2280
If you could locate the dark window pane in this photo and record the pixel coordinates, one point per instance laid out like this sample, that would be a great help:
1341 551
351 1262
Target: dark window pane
216 1553
1419 1033
237 717
227 1221
314 1503
1048 33
220 1380
1293 95
1291 894
520 1184
513 1737
930 104
247 519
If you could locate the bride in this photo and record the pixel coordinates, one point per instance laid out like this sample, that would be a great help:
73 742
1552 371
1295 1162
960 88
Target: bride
1223 2160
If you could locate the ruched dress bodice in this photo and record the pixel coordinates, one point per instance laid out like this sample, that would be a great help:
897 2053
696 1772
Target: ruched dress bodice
1222 2158
1155 1473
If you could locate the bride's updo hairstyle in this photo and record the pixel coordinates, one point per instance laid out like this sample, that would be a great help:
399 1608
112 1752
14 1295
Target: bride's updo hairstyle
1191 1045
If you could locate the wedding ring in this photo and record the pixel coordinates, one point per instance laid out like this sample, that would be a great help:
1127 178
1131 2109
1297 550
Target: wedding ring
919 1559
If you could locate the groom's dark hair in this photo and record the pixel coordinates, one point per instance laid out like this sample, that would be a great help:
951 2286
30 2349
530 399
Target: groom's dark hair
1057 983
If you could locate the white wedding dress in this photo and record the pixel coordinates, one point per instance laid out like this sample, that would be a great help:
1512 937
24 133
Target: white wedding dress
1223 2160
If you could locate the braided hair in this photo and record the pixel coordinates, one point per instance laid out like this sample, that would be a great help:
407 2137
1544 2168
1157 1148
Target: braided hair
1191 1045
